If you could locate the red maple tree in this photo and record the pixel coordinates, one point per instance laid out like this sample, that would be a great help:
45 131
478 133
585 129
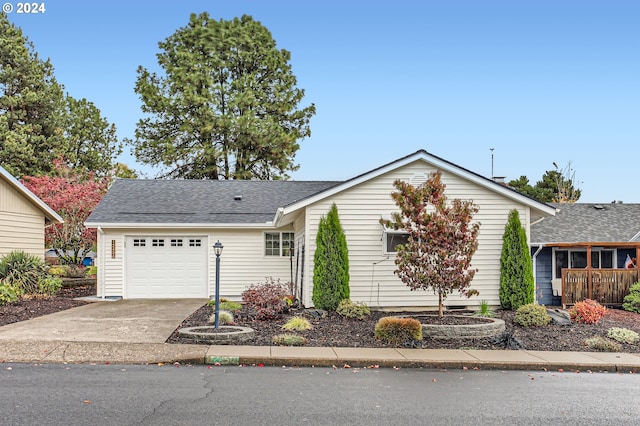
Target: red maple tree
441 240
73 196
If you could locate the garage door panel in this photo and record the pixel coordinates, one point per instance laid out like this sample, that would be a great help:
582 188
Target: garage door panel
166 267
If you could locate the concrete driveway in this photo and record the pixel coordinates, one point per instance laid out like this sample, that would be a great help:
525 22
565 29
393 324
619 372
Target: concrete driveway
123 321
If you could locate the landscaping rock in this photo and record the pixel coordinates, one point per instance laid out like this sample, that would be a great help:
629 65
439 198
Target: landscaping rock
559 317
314 314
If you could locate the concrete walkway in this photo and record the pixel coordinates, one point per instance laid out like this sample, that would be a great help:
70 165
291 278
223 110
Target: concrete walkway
134 332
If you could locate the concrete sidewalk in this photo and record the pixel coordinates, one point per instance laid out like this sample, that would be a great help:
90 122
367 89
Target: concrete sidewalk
134 332
151 353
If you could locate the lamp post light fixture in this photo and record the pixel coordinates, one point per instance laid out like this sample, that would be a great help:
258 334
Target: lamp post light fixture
217 249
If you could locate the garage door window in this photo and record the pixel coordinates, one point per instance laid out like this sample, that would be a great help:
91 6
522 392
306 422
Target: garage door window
139 242
176 243
195 243
157 243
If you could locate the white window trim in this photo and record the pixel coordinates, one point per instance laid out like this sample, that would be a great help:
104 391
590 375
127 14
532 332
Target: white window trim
281 245
390 231
583 250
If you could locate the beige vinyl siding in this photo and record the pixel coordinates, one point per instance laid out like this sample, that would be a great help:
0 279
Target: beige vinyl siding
243 261
21 232
110 268
372 278
21 223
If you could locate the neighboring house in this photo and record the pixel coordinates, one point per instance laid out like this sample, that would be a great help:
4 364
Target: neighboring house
155 237
581 252
23 218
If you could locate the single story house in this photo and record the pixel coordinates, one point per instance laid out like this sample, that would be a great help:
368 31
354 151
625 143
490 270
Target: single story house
155 237
23 217
584 252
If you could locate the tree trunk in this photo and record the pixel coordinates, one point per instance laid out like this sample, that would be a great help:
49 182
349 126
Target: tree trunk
440 307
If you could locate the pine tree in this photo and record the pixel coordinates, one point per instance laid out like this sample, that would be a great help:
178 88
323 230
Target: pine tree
226 105
31 105
330 263
516 269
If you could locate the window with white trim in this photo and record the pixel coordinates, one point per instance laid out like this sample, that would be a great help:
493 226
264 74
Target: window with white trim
278 243
195 242
577 259
391 239
139 242
176 242
157 242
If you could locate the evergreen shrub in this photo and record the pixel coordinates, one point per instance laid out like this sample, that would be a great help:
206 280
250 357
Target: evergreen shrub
532 315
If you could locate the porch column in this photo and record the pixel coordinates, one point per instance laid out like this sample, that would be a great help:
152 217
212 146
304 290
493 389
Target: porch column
589 280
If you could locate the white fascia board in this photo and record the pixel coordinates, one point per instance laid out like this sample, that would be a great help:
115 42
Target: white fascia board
438 164
48 211
105 225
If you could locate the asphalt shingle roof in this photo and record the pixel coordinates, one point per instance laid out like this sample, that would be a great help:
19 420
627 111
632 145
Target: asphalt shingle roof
589 222
200 201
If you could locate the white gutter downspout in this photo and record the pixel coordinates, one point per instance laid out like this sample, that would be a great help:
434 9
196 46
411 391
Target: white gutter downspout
100 265
534 259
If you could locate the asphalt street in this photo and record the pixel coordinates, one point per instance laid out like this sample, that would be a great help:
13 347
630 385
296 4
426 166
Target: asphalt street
82 394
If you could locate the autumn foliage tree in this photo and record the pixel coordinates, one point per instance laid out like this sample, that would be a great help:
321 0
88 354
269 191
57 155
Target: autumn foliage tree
73 196
442 238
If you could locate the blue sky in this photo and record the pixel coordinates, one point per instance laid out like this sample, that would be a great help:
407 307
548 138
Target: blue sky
539 81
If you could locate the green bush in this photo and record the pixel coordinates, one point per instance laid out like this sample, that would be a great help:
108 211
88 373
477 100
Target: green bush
330 263
484 311
49 285
22 271
587 312
532 315
90 271
227 305
288 340
297 324
7 294
631 301
58 271
226 317
396 330
623 335
516 268
350 309
599 343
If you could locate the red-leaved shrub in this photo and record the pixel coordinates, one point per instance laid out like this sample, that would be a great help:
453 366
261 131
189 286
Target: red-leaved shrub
267 300
587 312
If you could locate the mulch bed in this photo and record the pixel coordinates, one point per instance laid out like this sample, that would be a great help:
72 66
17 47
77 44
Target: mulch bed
335 330
25 309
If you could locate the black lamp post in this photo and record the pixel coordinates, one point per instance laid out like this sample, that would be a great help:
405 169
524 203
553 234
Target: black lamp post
217 249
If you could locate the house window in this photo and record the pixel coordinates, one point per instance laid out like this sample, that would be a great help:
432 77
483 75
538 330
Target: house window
392 239
278 243
176 243
577 259
195 243
157 243
139 242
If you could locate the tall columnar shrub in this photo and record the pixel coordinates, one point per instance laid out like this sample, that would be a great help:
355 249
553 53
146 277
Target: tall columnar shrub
330 263
516 269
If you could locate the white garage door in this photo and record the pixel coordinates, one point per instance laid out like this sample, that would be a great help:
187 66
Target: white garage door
166 267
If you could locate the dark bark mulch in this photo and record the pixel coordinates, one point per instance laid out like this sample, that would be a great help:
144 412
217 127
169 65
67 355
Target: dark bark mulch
27 308
335 330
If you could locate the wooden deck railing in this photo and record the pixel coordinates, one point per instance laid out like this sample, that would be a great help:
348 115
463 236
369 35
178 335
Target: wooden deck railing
606 286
